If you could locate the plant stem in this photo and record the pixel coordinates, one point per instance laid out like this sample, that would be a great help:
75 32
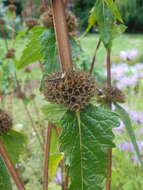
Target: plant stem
62 35
109 163
47 157
94 57
28 113
66 179
4 37
13 172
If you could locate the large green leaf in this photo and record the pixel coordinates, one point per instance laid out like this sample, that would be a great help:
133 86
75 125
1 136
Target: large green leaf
85 139
5 183
49 50
33 49
14 143
105 14
53 113
127 122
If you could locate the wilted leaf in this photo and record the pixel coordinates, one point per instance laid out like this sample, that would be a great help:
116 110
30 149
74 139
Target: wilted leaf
126 120
14 143
5 183
85 140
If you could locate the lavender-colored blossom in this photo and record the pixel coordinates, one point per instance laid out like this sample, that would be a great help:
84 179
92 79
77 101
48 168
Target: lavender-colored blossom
128 146
127 81
139 131
128 55
58 178
136 116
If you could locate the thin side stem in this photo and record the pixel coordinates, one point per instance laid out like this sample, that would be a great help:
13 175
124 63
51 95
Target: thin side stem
13 172
109 163
4 37
28 113
66 180
47 157
94 57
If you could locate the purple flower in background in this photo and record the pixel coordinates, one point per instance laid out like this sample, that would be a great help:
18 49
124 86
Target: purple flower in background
127 81
128 55
132 54
128 147
139 131
58 178
136 116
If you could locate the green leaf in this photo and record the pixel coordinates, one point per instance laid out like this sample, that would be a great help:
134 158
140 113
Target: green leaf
49 50
5 183
127 122
14 143
113 7
85 139
55 155
117 30
32 52
54 163
53 113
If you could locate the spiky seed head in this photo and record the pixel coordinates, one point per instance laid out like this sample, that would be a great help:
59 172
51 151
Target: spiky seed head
42 9
10 53
110 94
5 122
47 19
73 89
2 21
27 70
20 95
31 22
12 8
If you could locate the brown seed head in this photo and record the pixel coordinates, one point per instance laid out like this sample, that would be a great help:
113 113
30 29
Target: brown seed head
27 70
47 19
12 1
31 22
110 94
42 9
12 8
5 122
10 54
72 89
2 21
20 95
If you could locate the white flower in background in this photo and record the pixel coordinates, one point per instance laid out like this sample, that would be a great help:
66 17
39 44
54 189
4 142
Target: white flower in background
19 126
123 55
33 133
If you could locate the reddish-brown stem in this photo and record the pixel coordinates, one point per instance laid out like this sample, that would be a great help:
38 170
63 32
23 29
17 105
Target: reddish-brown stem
62 35
13 172
66 180
47 157
94 57
4 37
109 163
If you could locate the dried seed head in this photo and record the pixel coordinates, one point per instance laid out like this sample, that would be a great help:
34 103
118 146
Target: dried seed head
110 94
5 122
2 21
72 89
32 96
20 95
42 9
10 54
31 22
12 8
47 19
12 1
27 70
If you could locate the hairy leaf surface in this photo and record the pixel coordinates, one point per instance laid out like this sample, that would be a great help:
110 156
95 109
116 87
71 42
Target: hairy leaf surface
14 143
5 183
85 139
